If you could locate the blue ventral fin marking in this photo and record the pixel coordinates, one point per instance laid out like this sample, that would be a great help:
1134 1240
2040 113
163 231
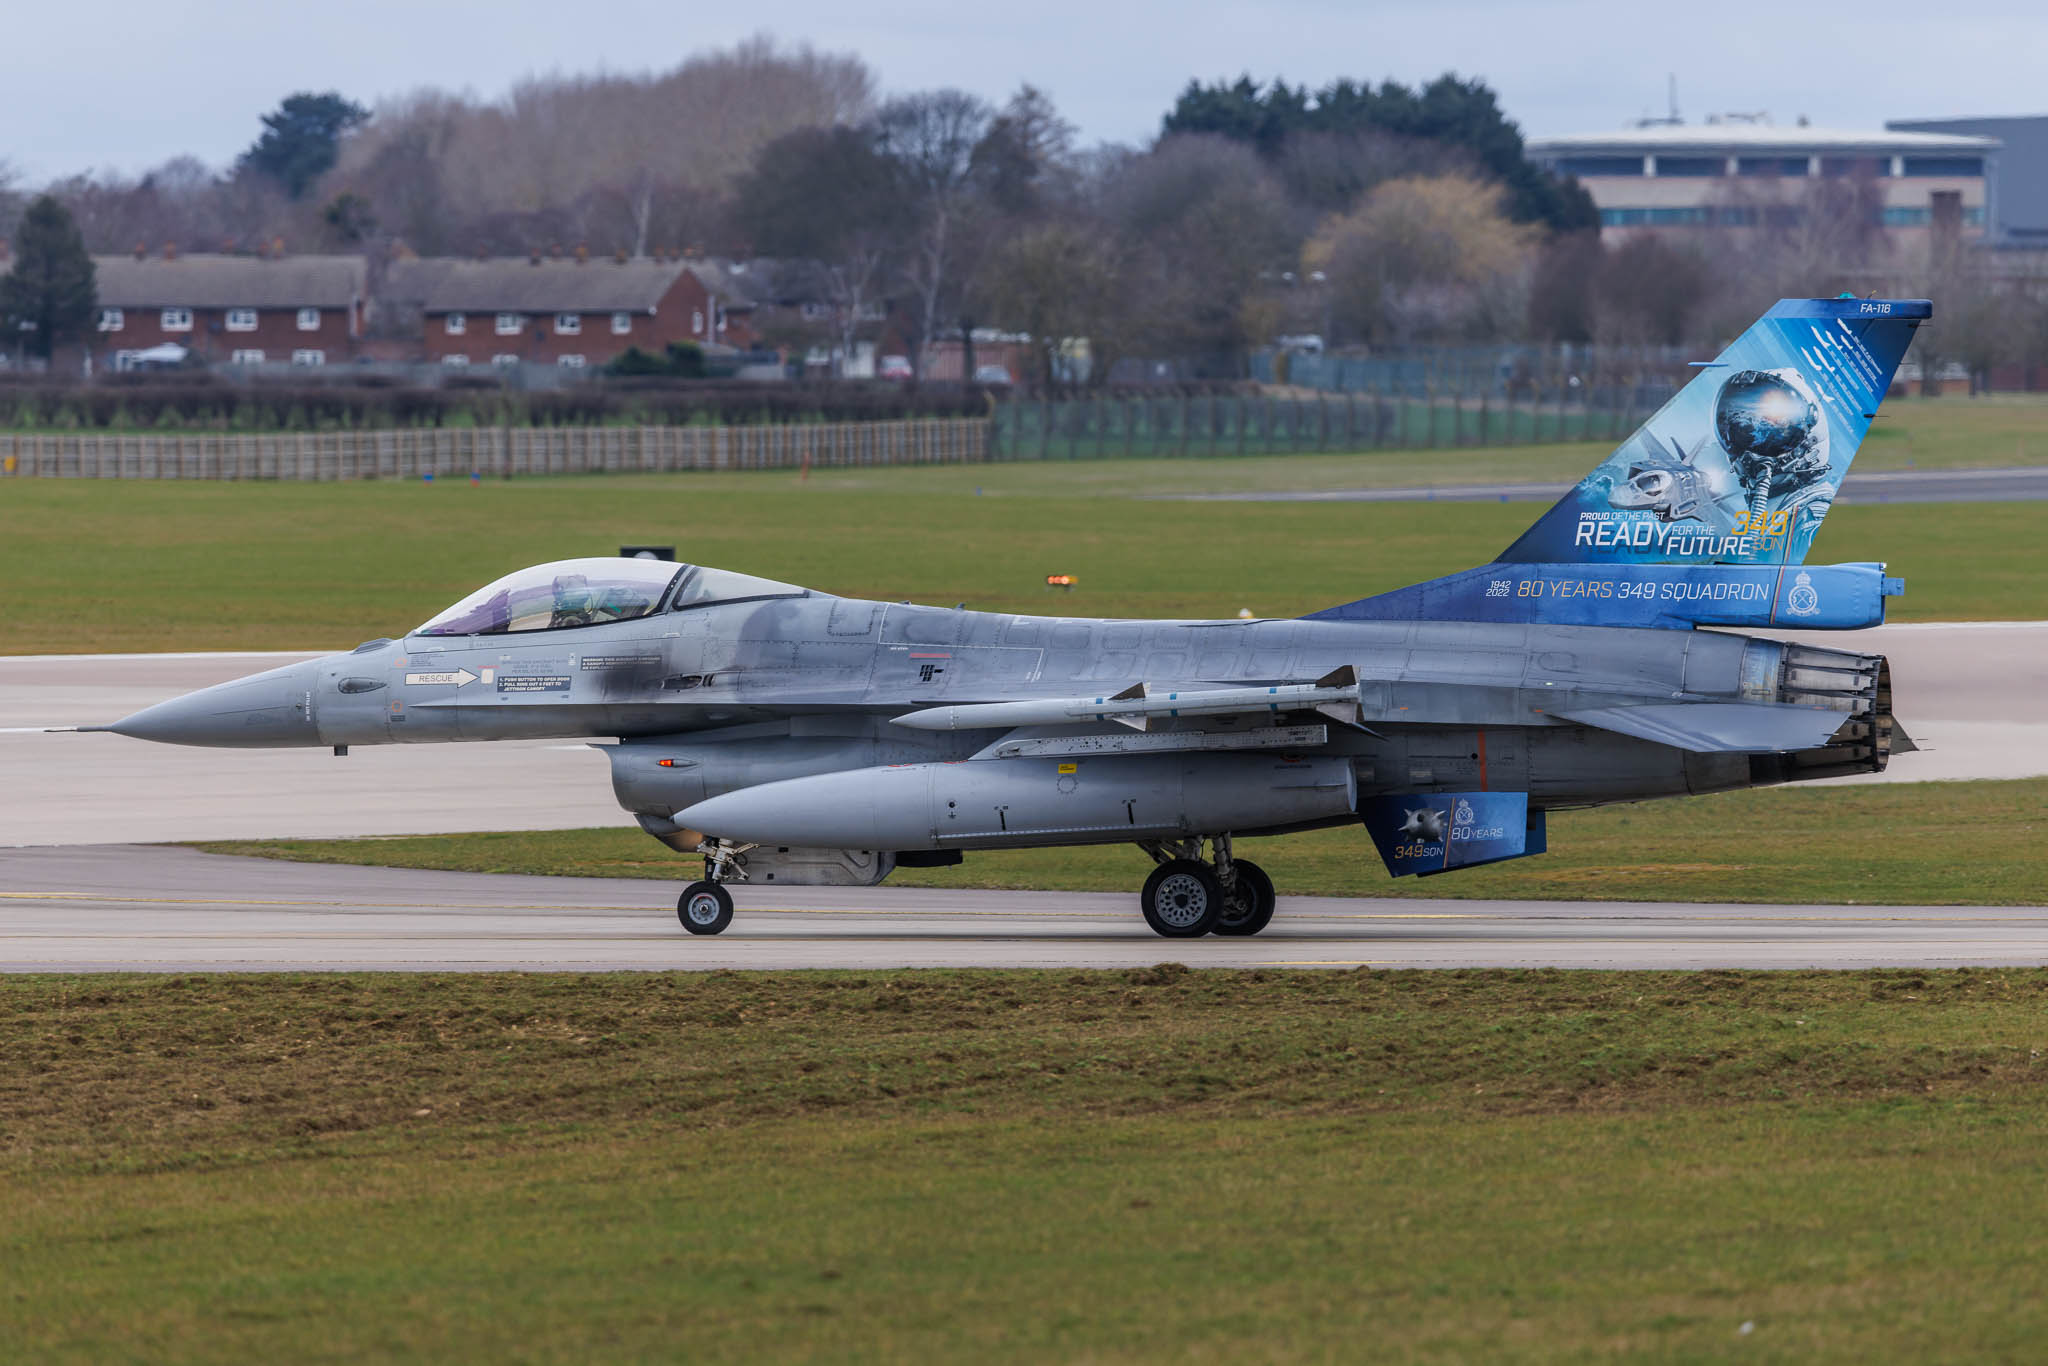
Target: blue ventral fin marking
1436 832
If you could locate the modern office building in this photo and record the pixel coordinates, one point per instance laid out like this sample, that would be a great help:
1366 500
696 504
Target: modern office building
2018 191
1737 171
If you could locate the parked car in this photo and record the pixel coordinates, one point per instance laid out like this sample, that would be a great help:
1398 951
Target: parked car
895 367
992 374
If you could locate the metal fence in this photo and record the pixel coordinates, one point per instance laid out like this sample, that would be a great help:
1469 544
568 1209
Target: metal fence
1247 425
1501 371
497 451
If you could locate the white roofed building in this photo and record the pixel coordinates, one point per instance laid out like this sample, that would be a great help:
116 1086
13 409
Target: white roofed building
1737 171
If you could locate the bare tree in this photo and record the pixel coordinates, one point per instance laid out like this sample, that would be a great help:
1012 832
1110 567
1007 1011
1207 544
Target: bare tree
1056 282
932 138
629 160
827 194
1202 224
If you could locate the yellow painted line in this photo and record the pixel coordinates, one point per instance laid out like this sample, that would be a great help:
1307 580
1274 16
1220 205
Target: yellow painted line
116 899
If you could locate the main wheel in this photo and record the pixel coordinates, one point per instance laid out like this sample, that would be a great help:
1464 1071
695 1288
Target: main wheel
704 908
1182 899
1248 904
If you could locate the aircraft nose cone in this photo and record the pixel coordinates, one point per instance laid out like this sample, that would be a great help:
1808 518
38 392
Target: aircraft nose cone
258 712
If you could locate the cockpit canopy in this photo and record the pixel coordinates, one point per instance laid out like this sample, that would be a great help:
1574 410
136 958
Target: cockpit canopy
571 593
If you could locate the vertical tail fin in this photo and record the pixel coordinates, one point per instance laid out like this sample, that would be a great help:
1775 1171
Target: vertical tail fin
1744 461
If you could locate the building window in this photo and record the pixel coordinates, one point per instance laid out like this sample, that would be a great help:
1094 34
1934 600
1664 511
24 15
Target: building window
1837 167
309 357
111 320
177 320
568 324
241 320
309 320
1692 166
696 322
504 359
1692 217
246 358
1588 166
510 324
570 362
622 324
1788 166
456 362
455 324
1944 166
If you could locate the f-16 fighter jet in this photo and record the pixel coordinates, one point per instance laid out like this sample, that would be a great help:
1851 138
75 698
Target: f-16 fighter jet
788 736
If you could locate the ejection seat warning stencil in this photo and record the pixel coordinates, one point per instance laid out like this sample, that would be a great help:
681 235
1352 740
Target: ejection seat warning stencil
455 677
533 683
1434 832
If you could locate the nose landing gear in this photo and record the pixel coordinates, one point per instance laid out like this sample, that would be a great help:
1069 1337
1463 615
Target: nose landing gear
1186 897
705 907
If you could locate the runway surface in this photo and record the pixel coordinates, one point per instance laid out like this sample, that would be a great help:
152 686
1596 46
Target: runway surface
130 908
1970 692
1893 486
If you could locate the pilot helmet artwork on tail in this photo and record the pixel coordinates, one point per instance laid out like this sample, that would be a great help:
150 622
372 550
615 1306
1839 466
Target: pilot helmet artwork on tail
1743 463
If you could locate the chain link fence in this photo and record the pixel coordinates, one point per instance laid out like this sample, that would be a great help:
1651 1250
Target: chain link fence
1246 425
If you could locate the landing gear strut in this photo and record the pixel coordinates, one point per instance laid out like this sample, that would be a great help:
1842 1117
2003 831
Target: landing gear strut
705 907
1187 897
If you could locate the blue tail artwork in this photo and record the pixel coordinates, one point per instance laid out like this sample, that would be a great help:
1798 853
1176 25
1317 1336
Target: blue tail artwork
1704 516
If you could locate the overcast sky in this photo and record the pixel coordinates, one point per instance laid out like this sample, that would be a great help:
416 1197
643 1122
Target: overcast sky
128 84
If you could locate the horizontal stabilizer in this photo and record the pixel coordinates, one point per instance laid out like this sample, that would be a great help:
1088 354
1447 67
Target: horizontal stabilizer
1718 727
1436 832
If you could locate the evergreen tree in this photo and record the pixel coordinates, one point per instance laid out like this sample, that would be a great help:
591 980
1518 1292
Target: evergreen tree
1458 114
50 295
302 140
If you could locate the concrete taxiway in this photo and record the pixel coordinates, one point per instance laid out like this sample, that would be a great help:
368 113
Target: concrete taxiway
1970 692
131 908
1893 486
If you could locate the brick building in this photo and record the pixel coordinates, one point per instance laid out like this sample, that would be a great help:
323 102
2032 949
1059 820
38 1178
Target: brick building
566 311
305 310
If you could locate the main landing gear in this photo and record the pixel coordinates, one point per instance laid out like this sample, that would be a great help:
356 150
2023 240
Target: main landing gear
1186 898
705 907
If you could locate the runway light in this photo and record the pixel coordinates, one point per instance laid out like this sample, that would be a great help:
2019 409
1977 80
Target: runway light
1065 582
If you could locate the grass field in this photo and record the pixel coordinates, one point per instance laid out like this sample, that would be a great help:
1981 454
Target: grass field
1137 1166
117 566
1906 844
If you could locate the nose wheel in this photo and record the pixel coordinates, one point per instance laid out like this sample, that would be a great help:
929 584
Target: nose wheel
704 908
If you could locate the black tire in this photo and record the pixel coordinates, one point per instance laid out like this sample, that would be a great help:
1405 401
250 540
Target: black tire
1182 899
1248 903
704 908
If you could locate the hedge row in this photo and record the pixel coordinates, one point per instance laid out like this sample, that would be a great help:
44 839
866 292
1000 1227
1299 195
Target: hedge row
188 404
